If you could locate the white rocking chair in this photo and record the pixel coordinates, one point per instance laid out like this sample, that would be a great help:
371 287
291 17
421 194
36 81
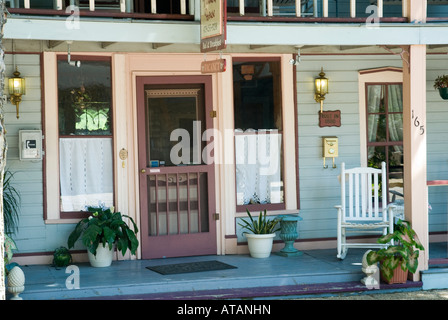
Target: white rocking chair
361 209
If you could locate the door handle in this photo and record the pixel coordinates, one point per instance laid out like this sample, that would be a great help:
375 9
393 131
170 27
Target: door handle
143 170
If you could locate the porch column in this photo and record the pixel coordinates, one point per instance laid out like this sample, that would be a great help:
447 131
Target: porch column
414 143
415 10
414 131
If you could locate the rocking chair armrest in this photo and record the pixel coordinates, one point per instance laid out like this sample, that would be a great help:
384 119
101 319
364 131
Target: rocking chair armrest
339 207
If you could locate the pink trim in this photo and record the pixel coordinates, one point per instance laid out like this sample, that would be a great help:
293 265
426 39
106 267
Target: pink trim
175 245
437 183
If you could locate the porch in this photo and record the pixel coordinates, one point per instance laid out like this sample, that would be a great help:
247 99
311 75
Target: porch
315 272
325 11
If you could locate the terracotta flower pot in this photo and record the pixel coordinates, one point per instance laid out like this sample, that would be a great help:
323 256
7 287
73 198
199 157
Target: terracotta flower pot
399 276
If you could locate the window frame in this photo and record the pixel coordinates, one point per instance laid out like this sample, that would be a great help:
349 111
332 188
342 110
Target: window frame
268 206
52 209
377 76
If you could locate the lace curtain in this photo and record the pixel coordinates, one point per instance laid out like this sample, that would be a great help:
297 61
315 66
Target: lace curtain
86 172
395 104
258 161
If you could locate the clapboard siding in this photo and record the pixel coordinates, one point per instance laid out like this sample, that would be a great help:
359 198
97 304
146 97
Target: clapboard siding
319 187
33 234
437 132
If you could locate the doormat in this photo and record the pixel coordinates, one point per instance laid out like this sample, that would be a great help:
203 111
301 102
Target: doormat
191 267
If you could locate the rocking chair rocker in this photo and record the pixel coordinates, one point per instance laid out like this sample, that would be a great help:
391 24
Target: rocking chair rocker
361 209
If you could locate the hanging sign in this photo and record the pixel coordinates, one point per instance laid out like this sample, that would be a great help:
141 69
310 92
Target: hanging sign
330 118
213 25
213 66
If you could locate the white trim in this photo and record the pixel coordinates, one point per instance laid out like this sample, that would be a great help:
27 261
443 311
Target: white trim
385 74
289 146
51 136
51 140
238 33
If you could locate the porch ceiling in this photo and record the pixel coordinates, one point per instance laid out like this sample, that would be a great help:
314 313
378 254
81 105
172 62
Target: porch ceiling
237 33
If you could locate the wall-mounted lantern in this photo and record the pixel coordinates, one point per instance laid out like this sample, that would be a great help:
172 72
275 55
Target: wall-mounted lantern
320 88
17 88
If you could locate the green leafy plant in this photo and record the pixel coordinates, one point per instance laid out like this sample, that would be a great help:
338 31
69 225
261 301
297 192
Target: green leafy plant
10 245
11 204
441 82
262 225
107 227
404 252
61 257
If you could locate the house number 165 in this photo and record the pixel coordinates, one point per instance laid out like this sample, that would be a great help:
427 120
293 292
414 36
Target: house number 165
417 123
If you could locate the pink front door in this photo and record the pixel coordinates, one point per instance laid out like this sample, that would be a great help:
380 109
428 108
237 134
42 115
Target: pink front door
177 183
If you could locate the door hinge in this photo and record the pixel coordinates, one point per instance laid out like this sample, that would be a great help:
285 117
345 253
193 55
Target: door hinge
216 216
213 114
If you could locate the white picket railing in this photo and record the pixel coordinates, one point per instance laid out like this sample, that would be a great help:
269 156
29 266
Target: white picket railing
58 5
267 7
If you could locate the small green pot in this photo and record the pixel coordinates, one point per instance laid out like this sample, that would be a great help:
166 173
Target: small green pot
443 93
62 257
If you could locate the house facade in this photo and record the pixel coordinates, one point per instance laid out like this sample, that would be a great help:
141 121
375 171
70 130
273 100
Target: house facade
129 118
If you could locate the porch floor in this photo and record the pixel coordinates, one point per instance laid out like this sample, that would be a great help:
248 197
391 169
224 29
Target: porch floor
313 272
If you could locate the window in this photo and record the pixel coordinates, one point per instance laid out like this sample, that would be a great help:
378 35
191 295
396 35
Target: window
162 6
258 134
85 134
250 6
385 132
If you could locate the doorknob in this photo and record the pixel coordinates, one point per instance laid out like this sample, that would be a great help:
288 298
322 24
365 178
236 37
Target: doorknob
143 170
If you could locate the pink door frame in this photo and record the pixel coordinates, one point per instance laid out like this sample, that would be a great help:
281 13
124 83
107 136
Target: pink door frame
176 245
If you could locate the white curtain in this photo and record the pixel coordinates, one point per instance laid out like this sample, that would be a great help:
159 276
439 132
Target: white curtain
374 96
395 104
258 161
86 172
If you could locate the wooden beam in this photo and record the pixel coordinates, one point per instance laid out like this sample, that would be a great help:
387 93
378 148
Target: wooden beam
53 43
106 44
342 48
436 46
254 46
159 45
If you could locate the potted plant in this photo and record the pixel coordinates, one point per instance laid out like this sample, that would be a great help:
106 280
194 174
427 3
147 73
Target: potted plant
262 234
441 83
11 204
62 257
399 258
9 246
101 231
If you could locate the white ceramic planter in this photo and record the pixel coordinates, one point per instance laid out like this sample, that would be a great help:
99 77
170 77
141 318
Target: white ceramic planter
16 282
103 258
260 245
